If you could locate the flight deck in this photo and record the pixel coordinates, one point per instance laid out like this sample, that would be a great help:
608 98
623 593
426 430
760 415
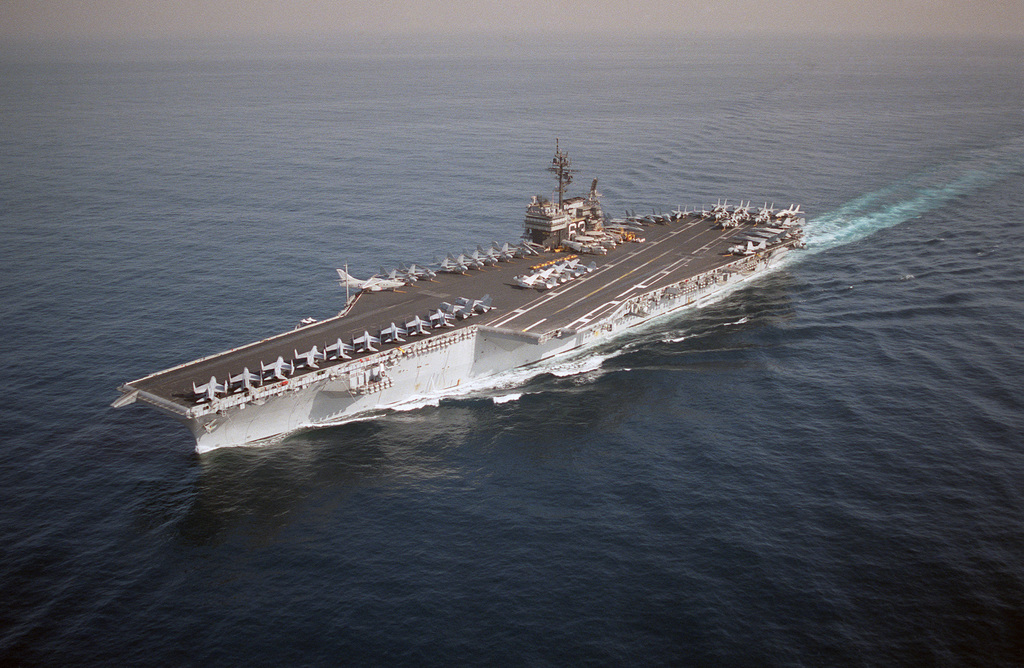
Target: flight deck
668 254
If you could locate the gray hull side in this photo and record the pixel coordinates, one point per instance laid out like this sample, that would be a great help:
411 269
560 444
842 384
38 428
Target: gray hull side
435 366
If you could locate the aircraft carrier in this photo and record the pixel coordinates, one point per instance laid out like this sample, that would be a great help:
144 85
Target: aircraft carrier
575 278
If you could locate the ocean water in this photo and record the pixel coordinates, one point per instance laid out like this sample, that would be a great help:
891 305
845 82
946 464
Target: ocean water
825 467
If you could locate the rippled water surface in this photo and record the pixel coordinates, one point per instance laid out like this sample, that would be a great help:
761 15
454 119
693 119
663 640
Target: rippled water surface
825 467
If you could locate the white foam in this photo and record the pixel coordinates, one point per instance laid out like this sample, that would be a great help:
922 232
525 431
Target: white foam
417 402
580 366
337 422
914 196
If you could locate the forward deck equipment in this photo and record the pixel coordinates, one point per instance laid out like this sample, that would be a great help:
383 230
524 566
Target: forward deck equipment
575 278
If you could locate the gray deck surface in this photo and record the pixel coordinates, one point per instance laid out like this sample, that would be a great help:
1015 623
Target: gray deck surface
670 254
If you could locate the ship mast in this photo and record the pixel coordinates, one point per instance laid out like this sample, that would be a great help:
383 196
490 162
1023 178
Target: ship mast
560 166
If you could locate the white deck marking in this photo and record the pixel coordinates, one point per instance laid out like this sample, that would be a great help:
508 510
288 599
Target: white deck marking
650 279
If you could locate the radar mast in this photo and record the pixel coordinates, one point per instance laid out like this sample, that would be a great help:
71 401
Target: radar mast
561 167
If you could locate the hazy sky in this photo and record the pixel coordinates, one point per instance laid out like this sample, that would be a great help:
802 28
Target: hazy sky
183 18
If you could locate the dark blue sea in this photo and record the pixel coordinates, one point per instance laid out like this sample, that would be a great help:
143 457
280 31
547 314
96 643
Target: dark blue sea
825 467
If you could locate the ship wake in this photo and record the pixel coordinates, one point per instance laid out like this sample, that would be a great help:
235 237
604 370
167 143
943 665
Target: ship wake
916 195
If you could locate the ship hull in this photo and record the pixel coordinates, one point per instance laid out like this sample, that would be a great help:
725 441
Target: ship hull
434 366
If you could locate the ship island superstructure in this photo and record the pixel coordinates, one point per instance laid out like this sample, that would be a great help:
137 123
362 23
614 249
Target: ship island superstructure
574 279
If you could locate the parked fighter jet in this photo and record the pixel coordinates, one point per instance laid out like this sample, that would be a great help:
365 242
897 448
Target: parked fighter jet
417 326
505 252
765 213
452 266
396 276
309 358
392 334
417 273
473 260
338 350
482 305
527 281
462 309
208 391
439 319
488 257
749 248
243 381
547 278
364 343
792 212
277 369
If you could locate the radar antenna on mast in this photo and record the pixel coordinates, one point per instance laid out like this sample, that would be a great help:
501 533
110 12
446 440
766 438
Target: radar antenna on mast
560 166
